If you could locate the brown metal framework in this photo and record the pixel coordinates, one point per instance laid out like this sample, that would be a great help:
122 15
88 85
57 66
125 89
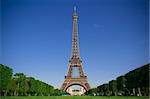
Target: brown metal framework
75 61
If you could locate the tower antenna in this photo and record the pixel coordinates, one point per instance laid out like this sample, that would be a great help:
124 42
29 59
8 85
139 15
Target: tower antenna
75 8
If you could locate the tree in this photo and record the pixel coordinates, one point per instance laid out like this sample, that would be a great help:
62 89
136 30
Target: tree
92 92
122 85
105 88
5 79
113 87
20 79
33 86
100 90
138 79
13 87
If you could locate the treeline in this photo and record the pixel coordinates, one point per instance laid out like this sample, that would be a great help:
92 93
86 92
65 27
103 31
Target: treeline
20 85
135 83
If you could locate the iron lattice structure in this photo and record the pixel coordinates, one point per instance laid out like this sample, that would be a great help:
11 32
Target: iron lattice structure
75 61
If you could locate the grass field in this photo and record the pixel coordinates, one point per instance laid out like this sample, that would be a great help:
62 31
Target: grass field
73 97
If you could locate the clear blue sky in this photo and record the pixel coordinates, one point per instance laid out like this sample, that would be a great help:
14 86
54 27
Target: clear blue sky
36 37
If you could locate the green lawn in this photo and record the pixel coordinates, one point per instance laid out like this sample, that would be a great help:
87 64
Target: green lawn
73 97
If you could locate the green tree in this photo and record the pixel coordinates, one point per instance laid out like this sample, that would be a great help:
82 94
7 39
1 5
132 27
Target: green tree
138 80
21 84
113 87
92 91
5 79
100 90
13 87
105 88
122 85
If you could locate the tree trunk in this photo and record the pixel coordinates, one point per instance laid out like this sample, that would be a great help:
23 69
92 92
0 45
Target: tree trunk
11 93
5 94
134 91
17 91
115 93
139 91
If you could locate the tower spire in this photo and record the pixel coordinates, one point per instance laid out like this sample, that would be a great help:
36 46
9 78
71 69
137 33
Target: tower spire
75 49
74 9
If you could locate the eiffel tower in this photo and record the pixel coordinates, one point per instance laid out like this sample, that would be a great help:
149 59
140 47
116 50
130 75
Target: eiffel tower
75 61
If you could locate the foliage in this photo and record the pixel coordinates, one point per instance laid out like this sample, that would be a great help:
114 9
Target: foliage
20 85
5 79
113 87
135 82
